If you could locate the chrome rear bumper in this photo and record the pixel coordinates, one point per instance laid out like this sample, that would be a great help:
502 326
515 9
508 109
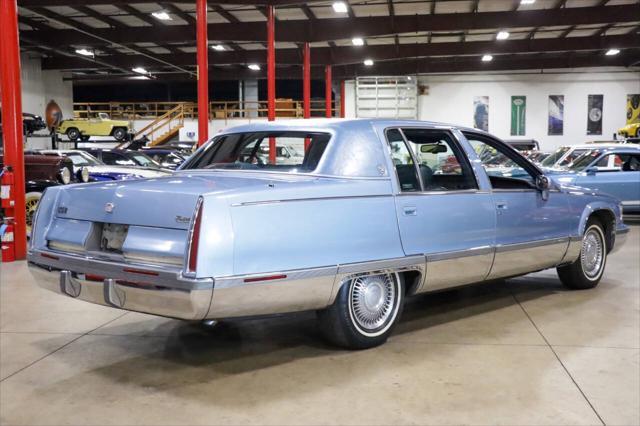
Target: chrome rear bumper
157 292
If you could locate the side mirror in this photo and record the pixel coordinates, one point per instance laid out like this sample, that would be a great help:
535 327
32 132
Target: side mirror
543 184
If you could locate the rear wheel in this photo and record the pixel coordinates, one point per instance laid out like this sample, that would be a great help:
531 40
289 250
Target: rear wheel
587 271
119 133
73 134
32 199
365 311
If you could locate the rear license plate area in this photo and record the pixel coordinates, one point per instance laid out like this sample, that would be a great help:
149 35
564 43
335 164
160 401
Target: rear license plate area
112 237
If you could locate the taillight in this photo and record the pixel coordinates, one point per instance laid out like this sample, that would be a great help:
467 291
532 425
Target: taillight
194 240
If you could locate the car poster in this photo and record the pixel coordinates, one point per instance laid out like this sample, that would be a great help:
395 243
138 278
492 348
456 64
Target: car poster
594 115
633 109
518 115
481 113
556 115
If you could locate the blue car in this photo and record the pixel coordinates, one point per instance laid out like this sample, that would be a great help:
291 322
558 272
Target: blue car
614 171
374 212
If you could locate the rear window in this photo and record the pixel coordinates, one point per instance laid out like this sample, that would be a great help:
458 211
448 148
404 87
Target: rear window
296 152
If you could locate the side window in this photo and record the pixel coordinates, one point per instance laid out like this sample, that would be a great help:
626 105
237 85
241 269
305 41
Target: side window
504 168
631 163
442 164
403 162
116 159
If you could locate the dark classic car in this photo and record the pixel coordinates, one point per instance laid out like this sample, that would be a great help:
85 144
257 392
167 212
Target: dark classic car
123 157
42 172
31 123
165 157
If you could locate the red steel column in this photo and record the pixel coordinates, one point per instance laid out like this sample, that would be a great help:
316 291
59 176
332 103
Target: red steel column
271 76
203 71
12 120
342 99
306 80
327 91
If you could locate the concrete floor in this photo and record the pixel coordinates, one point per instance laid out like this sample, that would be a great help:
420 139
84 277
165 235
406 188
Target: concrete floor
523 352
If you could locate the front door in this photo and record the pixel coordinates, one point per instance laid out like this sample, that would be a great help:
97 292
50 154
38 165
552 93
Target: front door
532 228
442 213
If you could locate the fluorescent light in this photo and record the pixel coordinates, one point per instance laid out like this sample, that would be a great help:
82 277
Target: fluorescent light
527 1
368 62
340 7
502 35
612 52
218 47
84 52
162 15
140 70
254 67
357 41
487 58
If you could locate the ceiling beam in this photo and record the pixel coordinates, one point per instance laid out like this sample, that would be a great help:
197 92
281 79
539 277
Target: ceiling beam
136 13
349 55
420 66
37 3
335 28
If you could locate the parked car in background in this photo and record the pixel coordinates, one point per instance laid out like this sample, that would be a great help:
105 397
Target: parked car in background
42 172
123 157
525 145
563 156
537 156
167 158
31 123
614 171
83 129
630 130
98 171
366 218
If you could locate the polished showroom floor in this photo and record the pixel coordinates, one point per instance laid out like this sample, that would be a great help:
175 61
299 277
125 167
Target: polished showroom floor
523 352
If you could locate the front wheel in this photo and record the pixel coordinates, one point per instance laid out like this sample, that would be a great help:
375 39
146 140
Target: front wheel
31 201
119 134
365 311
587 271
73 134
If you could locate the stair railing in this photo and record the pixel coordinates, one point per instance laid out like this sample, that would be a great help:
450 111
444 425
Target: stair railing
162 125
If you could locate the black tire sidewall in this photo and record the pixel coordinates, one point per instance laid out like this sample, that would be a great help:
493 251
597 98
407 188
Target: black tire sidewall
352 332
119 131
71 132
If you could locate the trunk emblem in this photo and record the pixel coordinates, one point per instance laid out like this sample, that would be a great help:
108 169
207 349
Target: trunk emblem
109 207
183 219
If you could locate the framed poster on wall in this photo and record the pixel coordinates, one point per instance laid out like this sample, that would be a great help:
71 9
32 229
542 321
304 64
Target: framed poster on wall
594 115
556 115
518 115
481 113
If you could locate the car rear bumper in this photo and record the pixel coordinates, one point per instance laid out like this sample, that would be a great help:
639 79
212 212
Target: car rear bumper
153 291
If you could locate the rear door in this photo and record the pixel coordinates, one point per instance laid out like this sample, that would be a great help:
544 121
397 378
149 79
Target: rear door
442 212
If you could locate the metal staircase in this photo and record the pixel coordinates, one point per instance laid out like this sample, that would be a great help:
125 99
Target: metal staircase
165 127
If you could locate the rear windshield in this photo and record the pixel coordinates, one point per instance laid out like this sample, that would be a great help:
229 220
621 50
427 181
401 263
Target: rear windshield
295 152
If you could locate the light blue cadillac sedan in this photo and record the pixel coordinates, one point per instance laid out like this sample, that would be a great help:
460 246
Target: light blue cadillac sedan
374 212
611 170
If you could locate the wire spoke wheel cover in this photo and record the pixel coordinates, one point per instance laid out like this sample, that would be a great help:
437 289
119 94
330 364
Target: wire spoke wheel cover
373 303
592 253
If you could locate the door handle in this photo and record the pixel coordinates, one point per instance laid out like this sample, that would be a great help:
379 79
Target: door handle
501 205
410 210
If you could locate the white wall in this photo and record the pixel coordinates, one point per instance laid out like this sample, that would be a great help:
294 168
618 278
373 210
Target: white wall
39 87
450 100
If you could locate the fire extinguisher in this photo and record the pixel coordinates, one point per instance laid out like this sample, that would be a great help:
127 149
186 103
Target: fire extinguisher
6 189
8 243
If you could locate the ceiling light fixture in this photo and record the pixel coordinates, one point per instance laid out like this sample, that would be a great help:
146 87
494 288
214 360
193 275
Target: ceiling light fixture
502 35
612 52
368 62
339 7
357 41
218 47
162 15
84 52
487 58
527 1
140 70
254 67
